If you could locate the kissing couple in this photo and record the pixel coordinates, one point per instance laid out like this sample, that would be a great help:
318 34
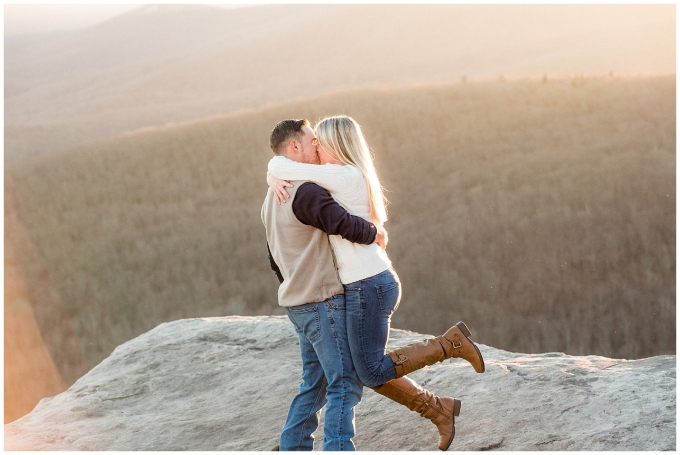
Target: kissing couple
324 214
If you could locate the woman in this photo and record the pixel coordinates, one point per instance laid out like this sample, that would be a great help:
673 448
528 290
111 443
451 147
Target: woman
372 287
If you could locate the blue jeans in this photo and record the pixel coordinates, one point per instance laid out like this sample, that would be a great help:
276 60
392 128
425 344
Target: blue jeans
328 377
370 304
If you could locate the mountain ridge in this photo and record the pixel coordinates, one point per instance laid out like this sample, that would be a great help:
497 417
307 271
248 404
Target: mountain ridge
142 69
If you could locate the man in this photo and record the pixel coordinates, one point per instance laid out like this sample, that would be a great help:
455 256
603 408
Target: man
310 290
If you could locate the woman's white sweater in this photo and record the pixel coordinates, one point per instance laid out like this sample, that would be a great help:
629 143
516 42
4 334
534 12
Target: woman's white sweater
348 187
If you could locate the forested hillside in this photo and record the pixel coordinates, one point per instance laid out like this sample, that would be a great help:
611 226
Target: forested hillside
542 213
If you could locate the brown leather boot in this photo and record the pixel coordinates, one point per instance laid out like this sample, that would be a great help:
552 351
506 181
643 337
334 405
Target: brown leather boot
455 342
442 411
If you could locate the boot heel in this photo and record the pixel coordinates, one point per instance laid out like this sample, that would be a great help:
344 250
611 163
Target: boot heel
456 407
463 328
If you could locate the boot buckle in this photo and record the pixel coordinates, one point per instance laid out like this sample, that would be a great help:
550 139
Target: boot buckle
460 344
401 359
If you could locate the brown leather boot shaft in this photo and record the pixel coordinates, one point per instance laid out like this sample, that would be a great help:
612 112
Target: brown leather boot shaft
417 355
439 410
454 343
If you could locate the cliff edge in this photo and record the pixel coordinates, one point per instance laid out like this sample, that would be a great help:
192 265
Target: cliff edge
226 384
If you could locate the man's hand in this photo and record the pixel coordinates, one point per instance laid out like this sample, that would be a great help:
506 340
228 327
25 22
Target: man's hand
279 188
381 237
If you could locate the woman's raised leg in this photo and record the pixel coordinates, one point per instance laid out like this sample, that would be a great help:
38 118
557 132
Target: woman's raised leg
370 304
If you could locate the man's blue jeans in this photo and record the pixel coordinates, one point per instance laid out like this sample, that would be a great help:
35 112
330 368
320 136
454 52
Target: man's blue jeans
370 304
328 377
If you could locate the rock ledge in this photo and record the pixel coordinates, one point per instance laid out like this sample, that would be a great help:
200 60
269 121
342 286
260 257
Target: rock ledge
226 383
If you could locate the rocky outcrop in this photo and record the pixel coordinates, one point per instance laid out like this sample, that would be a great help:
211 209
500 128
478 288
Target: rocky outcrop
226 383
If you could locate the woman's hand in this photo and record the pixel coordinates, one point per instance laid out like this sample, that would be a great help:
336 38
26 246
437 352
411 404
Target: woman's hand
381 237
279 186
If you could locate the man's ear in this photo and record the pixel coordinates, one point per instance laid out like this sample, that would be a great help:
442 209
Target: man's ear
292 147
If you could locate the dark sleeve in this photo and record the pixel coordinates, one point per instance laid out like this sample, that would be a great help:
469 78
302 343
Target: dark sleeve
273 265
314 206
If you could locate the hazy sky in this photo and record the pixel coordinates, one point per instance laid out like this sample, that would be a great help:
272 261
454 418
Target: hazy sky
26 19
23 19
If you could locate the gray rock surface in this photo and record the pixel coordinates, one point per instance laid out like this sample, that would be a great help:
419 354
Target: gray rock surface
226 383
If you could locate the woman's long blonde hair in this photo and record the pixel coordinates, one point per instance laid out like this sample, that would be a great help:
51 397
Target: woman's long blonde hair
341 136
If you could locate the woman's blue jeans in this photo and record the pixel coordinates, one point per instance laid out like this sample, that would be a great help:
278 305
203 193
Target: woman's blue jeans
328 377
370 304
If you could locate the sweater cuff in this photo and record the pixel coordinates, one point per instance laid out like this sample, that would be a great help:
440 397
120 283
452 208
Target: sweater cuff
373 232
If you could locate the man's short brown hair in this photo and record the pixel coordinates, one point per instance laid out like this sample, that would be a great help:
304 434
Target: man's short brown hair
283 132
